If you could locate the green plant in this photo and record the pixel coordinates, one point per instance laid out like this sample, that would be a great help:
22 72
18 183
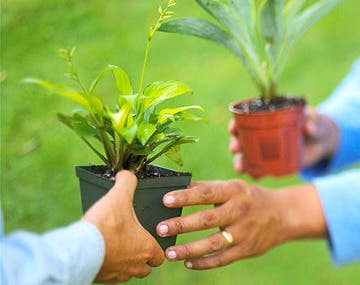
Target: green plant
135 131
259 32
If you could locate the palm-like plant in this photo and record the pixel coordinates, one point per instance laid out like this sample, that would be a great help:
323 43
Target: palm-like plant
135 131
259 32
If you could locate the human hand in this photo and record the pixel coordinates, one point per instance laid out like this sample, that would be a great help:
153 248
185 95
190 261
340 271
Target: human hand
129 249
257 219
320 139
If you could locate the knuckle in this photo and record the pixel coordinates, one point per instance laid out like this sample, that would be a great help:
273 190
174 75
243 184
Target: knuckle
207 219
215 244
177 226
185 251
206 194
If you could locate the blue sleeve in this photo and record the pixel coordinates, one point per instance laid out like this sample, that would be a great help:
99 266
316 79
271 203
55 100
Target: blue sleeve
340 198
343 106
69 256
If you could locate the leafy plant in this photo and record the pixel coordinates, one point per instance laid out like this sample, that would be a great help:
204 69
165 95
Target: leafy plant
136 131
259 32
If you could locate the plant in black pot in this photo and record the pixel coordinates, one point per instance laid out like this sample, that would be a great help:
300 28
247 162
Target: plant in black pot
132 134
261 33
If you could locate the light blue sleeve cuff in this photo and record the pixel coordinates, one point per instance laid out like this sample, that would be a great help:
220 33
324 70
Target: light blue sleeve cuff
340 198
343 106
69 256
81 249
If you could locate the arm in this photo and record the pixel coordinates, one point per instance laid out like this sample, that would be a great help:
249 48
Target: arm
342 108
58 257
108 243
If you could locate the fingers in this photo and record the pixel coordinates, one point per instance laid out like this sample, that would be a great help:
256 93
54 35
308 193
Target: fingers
238 162
213 243
232 127
200 193
202 220
235 145
310 128
216 260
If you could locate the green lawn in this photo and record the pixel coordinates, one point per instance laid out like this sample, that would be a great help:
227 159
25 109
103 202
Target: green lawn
38 188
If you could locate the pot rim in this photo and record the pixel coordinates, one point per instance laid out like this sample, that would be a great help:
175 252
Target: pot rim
233 110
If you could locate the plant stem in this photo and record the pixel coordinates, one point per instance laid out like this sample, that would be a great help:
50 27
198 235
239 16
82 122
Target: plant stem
144 65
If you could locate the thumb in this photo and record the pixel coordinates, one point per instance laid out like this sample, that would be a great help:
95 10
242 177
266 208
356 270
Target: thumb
125 184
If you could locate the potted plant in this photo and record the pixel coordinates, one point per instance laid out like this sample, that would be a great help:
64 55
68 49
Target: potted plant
261 34
132 134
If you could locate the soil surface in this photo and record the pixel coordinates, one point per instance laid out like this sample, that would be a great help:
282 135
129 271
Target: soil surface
277 103
150 171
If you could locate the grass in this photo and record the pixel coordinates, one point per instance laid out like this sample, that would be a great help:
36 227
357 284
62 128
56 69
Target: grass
38 188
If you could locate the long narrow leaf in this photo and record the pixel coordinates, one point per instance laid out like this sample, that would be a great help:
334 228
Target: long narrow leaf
59 90
202 29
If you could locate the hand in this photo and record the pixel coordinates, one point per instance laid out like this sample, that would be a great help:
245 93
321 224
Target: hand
257 219
129 249
320 139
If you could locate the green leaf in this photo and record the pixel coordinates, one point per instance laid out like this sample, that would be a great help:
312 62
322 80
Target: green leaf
181 114
60 91
293 7
121 118
130 133
272 20
310 16
174 154
79 124
96 103
122 80
202 29
145 131
159 91
175 141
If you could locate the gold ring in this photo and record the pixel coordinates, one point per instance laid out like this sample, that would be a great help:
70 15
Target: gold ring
228 236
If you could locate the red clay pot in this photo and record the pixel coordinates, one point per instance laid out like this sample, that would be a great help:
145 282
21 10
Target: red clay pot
271 141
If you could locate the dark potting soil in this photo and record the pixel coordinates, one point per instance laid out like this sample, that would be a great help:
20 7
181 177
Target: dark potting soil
150 171
277 103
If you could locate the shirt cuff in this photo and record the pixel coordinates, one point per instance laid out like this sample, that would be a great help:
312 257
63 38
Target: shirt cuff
340 198
81 249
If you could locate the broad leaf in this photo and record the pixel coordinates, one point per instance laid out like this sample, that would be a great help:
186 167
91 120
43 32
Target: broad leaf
121 78
160 91
174 154
145 131
79 124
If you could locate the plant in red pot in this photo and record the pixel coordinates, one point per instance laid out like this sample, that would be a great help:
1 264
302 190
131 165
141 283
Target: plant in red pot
261 33
131 134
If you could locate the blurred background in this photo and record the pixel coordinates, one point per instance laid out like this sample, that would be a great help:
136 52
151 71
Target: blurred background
39 189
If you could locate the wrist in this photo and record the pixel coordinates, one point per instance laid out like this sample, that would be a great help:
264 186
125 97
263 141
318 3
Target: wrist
300 212
332 136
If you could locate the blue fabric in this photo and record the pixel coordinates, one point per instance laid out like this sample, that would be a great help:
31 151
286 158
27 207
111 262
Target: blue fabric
340 193
340 197
69 256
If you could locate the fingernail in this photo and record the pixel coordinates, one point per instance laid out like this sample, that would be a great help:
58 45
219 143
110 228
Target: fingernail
163 229
188 264
171 254
169 199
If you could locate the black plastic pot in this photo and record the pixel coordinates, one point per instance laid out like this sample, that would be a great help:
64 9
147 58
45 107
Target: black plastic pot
148 203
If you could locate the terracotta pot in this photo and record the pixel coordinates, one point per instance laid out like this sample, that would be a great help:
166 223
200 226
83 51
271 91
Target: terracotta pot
148 204
271 141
